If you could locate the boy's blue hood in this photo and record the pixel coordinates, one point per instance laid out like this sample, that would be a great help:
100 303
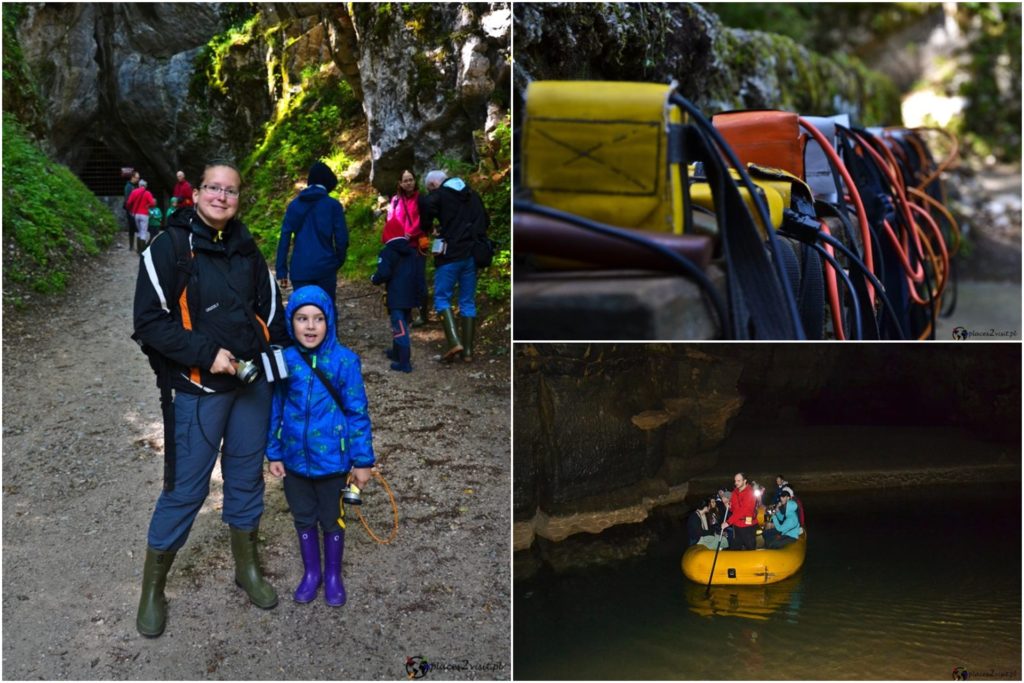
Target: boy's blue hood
311 294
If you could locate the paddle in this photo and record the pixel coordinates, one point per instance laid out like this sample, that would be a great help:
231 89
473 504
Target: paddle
718 546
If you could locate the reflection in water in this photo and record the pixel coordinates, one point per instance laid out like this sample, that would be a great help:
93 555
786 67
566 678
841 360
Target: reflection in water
746 602
899 584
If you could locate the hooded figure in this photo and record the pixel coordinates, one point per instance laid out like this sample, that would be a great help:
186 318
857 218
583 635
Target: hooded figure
461 219
396 267
308 431
317 222
317 440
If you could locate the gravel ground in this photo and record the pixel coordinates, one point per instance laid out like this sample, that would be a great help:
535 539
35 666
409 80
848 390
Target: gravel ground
82 468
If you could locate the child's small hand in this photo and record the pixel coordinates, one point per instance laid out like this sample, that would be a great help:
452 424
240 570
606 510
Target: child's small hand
277 468
361 476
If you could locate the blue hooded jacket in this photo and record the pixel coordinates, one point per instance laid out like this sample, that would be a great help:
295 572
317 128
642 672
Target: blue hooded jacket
396 267
788 523
309 433
321 236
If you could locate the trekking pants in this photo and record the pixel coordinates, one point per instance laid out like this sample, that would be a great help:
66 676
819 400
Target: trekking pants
400 320
445 277
313 500
142 226
240 418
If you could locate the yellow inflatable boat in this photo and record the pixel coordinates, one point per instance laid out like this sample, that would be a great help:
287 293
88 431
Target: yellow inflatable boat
744 567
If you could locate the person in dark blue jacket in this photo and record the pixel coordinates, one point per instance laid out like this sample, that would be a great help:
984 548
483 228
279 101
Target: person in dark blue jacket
317 221
397 267
316 444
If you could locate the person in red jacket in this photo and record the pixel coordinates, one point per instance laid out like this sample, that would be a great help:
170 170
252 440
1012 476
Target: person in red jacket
742 514
183 191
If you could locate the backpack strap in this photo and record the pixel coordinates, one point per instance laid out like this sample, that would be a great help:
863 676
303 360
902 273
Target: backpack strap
323 378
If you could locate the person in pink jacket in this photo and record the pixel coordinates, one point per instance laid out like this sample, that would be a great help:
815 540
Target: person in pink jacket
405 207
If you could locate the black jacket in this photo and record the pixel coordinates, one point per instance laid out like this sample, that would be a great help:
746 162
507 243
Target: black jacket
461 218
396 267
225 270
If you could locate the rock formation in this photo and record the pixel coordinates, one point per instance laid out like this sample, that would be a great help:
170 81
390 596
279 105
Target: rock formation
136 79
716 67
604 434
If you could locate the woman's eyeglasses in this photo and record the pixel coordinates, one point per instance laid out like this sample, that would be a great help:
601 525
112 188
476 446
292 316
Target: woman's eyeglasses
231 193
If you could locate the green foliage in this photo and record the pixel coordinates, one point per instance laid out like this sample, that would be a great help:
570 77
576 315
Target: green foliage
20 96
215 53
824 27
50 219
992 117
303 132
364 225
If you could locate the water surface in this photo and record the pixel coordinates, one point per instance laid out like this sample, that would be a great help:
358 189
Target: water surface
898 584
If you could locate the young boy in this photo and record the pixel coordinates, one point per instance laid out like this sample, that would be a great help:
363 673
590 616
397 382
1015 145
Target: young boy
314 443
396 267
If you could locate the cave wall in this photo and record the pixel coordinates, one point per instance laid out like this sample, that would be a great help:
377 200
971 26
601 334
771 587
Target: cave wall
596 426
717 68
127 76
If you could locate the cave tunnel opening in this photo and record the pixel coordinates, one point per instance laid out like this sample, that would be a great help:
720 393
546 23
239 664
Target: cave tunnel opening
103 172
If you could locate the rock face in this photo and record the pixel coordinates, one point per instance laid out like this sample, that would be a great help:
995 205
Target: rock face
116 75
132 78
717 68
429 78
605 433
594 421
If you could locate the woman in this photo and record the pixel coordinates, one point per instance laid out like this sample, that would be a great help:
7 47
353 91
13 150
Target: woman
404 206
228 303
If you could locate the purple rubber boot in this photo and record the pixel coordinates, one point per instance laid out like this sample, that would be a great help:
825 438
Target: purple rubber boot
334 589
309 548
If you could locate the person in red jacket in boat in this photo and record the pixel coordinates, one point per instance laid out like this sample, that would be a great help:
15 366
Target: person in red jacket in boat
742 514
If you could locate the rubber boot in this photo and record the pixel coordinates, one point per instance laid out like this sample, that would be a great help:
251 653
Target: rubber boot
334 587
468 332
402 360
247 569
309 548
421 315
152 616
454 345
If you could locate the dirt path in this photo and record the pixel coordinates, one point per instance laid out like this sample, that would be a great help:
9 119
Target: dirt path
82 467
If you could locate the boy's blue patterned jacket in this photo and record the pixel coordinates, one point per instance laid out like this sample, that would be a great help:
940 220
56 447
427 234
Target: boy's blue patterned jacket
308 431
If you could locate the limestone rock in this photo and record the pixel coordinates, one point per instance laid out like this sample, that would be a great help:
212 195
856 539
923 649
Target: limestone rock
127 78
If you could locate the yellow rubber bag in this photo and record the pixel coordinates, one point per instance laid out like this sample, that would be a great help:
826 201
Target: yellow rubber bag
601 150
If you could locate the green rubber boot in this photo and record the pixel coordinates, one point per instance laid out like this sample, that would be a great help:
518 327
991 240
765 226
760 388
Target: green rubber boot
450 333
468 332
152 616
247 569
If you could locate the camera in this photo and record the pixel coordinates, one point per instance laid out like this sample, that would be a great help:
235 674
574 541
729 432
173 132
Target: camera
247 371
350 494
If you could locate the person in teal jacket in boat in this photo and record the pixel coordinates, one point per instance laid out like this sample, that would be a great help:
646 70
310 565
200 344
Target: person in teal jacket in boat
785 523
314 443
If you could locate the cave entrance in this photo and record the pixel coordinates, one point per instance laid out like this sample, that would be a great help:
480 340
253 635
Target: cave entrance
103 173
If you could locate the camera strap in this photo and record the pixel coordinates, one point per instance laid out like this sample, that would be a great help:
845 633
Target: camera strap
323 378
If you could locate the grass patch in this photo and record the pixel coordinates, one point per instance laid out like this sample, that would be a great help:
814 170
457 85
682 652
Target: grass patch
50 219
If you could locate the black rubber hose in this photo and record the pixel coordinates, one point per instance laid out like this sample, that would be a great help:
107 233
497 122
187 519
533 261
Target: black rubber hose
686 267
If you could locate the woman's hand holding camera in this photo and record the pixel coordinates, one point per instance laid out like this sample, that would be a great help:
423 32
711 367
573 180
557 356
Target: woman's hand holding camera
223 363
